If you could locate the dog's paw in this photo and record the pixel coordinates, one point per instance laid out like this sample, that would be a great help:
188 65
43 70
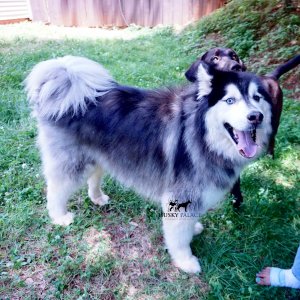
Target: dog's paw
198 228
64 220
189 265
102 200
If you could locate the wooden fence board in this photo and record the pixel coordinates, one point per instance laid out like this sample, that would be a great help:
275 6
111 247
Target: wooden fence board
96 13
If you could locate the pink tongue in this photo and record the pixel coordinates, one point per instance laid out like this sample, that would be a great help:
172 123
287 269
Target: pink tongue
246 145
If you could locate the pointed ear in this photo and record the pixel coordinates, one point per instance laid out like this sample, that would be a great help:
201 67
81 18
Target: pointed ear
191 73
204 77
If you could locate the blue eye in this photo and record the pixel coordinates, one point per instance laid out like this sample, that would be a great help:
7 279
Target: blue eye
230 100
256 98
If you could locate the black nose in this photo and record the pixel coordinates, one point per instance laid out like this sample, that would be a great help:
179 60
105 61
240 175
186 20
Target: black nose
255 117
236 68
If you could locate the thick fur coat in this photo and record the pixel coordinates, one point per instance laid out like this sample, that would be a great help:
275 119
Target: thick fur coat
186 144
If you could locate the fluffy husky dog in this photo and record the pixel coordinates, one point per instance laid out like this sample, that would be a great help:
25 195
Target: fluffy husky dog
184 145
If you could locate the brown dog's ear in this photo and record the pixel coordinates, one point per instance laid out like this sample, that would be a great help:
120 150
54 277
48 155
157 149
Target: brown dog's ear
191 73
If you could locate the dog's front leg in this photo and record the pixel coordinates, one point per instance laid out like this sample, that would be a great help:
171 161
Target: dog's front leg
179 229
237 194
178 234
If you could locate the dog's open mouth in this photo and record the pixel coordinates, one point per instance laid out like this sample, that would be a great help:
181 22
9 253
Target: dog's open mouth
245 140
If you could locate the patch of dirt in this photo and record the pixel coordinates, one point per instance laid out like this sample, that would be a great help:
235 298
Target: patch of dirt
33 275
140 261
203 44
132 239
133 247
217 38
98 242
292 82
289 81
36 280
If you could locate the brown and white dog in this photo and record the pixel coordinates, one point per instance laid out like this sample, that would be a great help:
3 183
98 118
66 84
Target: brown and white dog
227 60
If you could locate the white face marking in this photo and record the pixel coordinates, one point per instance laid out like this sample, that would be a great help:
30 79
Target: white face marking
236 115
253 90
204 87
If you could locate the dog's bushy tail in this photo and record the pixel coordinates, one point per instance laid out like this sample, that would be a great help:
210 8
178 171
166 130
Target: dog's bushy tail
66 85
284 68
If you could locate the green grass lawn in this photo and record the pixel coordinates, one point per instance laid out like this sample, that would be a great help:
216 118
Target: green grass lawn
117 251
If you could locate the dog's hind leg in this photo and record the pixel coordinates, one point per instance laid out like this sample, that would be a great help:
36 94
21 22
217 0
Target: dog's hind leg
58 192
95 193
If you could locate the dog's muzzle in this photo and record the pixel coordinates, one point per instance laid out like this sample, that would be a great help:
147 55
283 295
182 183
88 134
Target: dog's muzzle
255 118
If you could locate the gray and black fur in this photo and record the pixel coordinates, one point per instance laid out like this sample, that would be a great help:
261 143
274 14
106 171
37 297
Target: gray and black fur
158 142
